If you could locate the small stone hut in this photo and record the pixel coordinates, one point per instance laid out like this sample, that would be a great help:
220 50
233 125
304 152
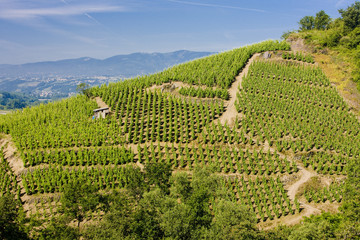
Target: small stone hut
101 112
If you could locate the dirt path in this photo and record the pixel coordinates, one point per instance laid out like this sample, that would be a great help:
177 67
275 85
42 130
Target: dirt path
230 114
177 84
101 103
305 176
293 189
307 210
15 162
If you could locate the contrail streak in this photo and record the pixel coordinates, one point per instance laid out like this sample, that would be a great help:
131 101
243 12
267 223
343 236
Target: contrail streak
217 6
86 14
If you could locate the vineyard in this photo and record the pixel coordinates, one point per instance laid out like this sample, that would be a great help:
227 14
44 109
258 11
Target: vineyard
289 119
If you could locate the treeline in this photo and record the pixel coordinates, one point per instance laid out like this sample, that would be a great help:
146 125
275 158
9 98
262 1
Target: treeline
16 100
341 34
158 204
154 204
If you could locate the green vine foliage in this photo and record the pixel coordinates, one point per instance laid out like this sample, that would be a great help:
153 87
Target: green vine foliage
288 107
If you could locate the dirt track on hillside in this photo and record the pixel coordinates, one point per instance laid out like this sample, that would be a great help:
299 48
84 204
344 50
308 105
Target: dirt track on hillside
101 103
230 114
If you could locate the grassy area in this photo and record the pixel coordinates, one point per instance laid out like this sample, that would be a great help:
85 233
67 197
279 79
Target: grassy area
337 62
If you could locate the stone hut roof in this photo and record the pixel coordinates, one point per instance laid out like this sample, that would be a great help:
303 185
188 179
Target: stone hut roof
101 109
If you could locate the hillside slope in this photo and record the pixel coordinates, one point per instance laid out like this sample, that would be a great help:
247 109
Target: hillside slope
279 145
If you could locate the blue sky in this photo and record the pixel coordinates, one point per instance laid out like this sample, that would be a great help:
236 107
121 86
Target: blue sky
40 30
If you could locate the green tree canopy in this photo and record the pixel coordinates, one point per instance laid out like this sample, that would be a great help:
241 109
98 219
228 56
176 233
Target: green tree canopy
79 200
322 20
10 224
84 88
233 221
307 23
351 16
158 174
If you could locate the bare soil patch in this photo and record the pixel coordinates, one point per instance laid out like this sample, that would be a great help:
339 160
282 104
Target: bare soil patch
305 176
101 103
230 114
15 161
299 45
176 84
16 164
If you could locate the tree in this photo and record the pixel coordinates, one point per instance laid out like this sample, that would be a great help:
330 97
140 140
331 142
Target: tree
10 214
158 174
135 184
180 187
354 38
351 16
322 20
79 200
176 221
323 226
56 229
307 23
84 88
118 220
146 224
233 221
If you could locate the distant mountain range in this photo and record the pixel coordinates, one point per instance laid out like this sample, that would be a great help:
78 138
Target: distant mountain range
60 78
119 65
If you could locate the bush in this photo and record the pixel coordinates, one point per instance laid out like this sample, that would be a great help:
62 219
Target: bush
330 38
354 37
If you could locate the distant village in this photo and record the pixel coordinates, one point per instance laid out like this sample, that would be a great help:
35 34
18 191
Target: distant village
49 87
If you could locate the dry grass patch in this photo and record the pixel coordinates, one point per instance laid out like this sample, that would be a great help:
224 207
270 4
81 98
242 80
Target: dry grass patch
338 70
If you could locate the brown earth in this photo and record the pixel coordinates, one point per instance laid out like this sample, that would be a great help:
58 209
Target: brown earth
14 160
101 103
16 164
230 114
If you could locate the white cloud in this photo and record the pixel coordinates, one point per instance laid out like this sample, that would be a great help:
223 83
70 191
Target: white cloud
66 10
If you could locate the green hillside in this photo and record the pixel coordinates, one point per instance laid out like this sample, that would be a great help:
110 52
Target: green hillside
339 38
223 147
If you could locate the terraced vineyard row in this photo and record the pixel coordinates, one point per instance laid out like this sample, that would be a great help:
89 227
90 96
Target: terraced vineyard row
299 115
284 110
266 197
79 157
333 193
53 179
8 180
158 117
224 159
205 92
298 56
